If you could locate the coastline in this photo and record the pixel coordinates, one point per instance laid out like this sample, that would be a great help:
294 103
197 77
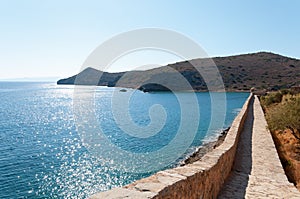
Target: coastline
205 148
201 179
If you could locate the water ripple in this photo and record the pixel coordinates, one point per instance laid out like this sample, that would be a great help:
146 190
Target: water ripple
41 155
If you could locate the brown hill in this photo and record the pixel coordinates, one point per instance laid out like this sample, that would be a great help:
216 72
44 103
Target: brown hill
262 70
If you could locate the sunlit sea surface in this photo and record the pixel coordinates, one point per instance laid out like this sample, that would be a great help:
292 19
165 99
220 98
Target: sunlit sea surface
41 153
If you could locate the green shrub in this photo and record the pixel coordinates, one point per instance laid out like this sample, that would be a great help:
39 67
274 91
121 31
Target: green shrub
271 98
285 91
277 97
285 115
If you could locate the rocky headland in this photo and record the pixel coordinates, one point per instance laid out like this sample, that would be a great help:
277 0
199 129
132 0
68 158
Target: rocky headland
262 70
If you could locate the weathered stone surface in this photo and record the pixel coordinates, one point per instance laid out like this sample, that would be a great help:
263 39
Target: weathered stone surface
186 170
257 172
150 186
118 193
173 174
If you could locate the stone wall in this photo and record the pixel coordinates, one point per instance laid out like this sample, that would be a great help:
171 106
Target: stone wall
201 179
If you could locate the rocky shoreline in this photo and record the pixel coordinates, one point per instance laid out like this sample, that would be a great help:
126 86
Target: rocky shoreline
205 148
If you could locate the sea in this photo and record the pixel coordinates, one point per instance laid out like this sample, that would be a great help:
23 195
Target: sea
43 151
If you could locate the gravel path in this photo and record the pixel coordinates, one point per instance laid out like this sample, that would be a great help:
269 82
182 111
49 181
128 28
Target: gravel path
257 171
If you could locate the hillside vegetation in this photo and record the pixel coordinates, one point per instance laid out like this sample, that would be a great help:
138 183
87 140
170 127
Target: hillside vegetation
241 72
282 111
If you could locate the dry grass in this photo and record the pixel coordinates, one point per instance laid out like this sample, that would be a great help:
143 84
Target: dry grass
282 111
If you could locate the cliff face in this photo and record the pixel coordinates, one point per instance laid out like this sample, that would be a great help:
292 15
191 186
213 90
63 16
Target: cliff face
261 70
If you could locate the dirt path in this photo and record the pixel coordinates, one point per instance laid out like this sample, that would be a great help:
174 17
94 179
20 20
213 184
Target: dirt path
257 171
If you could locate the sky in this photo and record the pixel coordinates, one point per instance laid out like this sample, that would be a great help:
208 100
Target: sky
52 38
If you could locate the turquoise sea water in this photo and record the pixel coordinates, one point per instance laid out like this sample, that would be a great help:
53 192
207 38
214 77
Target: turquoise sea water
42 155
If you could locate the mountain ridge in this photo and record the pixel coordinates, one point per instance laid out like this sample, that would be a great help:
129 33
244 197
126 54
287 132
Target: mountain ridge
263 70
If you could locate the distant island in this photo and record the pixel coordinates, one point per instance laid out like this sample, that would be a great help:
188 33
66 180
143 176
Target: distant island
262 70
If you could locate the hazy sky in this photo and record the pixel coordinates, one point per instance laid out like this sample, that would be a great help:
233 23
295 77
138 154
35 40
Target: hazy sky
53 38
